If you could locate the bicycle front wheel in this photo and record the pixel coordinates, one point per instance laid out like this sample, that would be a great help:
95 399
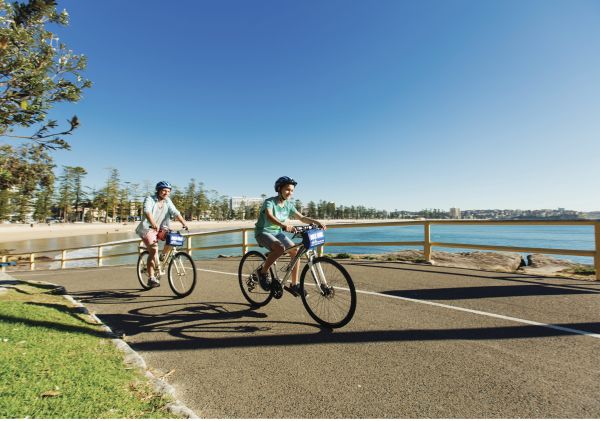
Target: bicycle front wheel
142 270
330 296
182 274
251 288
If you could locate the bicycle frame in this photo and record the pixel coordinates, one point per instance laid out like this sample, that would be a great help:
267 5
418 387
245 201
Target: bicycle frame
161 265
310 255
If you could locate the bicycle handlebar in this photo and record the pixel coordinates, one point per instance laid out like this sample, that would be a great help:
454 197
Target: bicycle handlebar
299 229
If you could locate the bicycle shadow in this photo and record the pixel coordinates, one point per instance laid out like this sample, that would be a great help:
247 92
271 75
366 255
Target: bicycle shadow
119 296
372 336
186 320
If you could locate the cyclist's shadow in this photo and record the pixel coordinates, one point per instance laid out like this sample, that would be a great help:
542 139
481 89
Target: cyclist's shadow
164 318
186 320
118 296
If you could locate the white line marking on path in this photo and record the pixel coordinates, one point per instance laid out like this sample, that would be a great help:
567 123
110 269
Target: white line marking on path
485 313
466 310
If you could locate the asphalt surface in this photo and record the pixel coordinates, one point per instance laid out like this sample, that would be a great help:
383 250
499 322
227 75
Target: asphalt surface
425 342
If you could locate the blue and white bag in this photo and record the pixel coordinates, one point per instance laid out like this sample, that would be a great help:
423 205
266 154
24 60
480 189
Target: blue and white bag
313 238
174 239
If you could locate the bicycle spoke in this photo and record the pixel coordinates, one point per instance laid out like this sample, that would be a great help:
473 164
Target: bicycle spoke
182 274
248 280
331 298
142 271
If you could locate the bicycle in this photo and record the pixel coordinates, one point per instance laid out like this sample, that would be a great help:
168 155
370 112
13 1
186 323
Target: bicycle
330 297
181 270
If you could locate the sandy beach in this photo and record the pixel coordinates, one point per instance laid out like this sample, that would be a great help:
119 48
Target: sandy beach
22 232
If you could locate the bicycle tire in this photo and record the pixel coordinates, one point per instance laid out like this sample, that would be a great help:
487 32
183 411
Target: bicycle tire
335 306
182 274
142 270
249 285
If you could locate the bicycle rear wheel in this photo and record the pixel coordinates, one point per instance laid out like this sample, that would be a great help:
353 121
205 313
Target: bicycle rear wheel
142 270
182 274
334 302
251 289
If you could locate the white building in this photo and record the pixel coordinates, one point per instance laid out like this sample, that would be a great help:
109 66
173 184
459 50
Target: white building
454 213
236 202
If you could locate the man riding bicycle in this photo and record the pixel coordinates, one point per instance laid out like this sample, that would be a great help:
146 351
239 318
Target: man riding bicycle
158 212
272 221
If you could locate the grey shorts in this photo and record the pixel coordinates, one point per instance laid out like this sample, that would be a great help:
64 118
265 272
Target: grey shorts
267 240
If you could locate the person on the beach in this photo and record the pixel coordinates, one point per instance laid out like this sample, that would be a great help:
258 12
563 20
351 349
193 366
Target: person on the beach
158 211
273 219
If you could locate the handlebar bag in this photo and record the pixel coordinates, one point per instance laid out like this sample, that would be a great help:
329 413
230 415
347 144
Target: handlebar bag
313 238
174 239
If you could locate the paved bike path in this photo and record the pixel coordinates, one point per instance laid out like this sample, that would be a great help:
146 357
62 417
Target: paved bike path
431 342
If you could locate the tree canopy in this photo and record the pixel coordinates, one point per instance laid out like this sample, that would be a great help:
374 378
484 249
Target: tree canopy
36 71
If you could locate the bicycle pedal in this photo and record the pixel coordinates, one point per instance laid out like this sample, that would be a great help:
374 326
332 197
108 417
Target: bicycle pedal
290 290
277 290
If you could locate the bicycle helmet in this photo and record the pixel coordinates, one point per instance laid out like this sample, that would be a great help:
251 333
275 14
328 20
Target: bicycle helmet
282 181
163 185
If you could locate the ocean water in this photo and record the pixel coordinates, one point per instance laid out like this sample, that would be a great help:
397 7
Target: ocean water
538 236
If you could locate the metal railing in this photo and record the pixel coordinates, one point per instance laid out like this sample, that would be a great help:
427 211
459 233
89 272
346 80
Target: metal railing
426 244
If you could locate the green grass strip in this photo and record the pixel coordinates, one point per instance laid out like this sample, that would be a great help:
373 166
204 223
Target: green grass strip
55 363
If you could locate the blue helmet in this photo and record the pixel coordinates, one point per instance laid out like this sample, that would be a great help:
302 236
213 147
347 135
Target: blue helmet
282 181
163 185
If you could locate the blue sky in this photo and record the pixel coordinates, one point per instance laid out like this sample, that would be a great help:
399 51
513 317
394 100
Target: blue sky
390 104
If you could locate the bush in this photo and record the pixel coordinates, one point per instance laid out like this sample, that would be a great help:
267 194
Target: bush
343 256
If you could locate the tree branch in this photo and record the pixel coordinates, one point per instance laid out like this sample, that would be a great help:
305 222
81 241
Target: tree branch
41 135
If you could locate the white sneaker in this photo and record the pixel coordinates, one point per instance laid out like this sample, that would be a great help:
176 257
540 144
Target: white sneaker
153 282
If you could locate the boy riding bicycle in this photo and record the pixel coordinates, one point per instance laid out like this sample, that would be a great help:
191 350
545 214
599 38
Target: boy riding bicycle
158 211
272 221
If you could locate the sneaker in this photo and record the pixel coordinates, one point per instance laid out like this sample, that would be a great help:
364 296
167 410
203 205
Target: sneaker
153 282
264 281
295 290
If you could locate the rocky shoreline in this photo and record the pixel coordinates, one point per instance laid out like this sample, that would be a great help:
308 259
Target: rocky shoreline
534 264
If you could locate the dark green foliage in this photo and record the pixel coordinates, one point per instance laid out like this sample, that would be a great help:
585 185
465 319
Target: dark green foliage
36 71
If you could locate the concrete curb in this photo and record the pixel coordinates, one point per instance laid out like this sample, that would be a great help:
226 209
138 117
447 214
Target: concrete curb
131 357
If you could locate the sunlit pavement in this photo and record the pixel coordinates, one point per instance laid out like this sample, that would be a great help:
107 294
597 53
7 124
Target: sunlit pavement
424 342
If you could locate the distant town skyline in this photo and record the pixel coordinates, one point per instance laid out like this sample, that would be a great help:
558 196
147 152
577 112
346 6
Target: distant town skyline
391 105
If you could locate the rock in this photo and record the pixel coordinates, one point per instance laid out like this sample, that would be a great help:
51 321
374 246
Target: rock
537 264
542 261
541 264
493 261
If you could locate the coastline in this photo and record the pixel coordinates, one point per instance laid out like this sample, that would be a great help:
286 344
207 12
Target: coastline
23 232
495 261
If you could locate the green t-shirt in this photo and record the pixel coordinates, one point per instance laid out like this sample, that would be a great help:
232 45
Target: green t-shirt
282 213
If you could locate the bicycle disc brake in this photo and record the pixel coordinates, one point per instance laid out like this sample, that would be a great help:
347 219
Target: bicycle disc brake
328 292
276 289
251 282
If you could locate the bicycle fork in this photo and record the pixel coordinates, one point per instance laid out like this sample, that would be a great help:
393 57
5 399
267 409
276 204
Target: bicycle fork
179 267
317 273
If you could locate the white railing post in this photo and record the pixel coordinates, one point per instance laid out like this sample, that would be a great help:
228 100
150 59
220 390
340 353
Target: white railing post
4 260
427 241
32 261
62 259
189 245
